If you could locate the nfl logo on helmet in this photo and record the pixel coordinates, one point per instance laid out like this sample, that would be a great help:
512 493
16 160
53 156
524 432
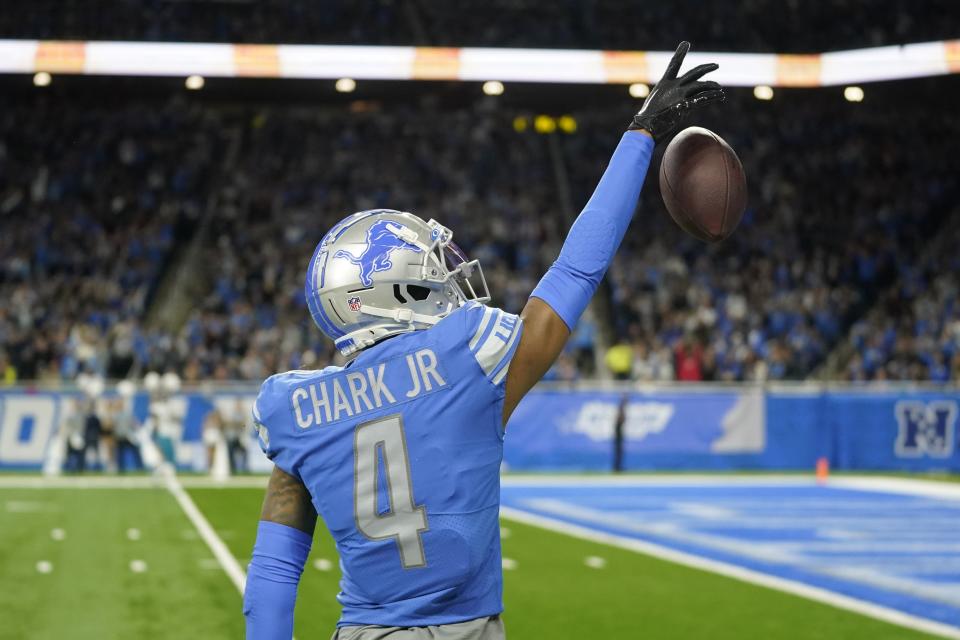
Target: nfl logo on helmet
925 428
354 303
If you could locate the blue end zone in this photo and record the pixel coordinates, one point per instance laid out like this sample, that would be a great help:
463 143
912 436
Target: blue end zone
897 551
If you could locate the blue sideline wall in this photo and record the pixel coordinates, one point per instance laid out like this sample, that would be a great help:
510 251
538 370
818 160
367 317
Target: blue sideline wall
720 429
668 428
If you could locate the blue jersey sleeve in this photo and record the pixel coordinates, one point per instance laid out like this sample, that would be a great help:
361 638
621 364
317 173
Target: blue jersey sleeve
273 423
492 337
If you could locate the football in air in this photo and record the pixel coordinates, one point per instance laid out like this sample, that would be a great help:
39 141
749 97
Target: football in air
702 184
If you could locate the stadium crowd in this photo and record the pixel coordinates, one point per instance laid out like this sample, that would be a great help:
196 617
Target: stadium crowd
94 201
829 225
301 170
913 333
755 25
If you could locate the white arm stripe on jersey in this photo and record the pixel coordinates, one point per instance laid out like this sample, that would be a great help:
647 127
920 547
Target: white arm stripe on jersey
500 375
501 371
487 313
497 346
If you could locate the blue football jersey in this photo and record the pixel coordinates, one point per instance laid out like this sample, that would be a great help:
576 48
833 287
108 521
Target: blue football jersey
401 453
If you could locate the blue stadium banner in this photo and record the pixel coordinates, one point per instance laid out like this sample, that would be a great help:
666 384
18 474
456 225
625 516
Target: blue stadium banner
661 429
704 428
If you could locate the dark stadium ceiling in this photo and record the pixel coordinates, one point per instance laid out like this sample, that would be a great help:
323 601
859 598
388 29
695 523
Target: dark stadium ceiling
788 26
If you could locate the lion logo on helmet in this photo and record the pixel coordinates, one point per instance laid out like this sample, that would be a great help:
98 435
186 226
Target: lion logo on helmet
382 240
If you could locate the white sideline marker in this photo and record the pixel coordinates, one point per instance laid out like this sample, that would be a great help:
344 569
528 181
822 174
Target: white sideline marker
25 506
322 564
505 532
817 594
509 564
595 562
133 534
44 566
58 534
138 566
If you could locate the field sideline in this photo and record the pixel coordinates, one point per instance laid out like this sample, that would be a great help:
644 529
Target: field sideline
106 557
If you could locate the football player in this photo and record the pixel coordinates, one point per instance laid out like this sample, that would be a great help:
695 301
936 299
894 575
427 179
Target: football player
399 450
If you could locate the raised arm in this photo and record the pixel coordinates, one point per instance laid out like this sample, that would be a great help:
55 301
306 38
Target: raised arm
284 536
566 289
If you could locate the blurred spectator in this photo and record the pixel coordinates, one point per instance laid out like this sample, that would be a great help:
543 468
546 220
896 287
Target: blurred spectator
235 429
84 430
619 360
164 422
216 445
689 357
123 424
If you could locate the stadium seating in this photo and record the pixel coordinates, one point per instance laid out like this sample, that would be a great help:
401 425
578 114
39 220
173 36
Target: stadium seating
913 333
93 199
299 171
90 217
810 256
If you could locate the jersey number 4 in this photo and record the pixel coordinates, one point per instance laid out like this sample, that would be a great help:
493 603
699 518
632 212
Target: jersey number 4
404 522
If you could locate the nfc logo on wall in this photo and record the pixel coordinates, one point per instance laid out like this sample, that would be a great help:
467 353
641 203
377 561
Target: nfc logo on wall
925 428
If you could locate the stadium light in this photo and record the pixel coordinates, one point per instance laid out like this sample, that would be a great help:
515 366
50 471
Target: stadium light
493 88
195 83
853 94
520 124
42 79
639 90
544 124
567 124
763 92
346 85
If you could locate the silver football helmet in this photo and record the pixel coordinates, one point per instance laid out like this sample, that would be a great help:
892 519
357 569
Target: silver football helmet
382 272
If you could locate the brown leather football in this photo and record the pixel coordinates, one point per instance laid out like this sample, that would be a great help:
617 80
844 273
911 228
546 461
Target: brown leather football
703 184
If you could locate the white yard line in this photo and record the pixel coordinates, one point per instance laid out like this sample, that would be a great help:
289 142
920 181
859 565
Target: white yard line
74 482
737 573
918 486
231 566
234 482
220 551
905 486
654 479
128 482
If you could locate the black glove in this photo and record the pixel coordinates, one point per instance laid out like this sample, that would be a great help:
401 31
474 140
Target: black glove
670 101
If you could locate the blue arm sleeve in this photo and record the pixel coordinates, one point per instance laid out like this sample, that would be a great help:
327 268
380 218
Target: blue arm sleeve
279 556
588 250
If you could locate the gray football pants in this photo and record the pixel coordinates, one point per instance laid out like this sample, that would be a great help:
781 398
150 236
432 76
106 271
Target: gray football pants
480 629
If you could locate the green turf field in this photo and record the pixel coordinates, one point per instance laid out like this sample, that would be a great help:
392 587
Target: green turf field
127 563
